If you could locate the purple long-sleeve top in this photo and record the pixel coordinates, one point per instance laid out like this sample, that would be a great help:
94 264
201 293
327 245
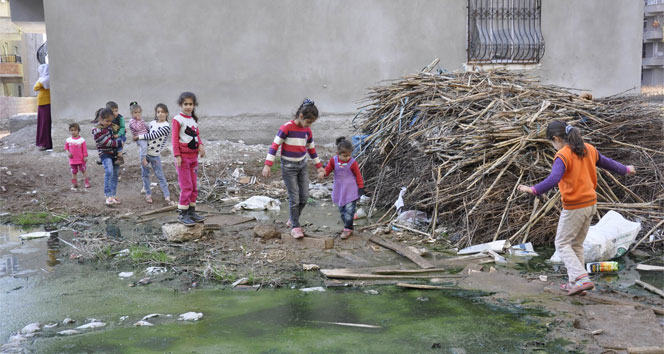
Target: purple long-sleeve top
558 169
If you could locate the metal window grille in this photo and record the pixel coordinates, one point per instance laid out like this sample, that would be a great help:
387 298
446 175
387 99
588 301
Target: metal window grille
10 58
505 31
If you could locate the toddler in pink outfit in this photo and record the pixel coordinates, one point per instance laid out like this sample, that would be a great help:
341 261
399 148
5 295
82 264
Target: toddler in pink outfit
78 154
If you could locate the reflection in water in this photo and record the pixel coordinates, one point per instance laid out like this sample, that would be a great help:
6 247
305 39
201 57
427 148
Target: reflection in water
9 265
53 249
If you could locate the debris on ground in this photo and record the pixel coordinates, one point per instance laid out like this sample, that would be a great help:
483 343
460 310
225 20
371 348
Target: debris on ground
456 146
190 316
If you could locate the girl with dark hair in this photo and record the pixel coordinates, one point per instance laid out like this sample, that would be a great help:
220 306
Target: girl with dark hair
348 183
297 140
187 146
156 140
574 170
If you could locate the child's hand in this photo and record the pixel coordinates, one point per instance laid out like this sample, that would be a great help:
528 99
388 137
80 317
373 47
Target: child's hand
135 138
321 170
201 151
360 192
266 171
631 170
178 161
115 136
525 189
321 175
145 162
70 155
85 159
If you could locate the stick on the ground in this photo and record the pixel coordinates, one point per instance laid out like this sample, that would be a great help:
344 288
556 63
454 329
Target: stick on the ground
423 263
650 288
424 286
160 210
648 234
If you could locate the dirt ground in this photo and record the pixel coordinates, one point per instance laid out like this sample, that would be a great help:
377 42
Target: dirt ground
40 181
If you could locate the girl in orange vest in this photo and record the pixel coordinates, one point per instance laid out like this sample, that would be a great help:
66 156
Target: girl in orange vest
574 171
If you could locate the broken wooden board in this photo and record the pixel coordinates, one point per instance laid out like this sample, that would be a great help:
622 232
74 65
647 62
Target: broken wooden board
625 326
423 263
309 241
227 220
650 288
409 271
350 274
425 287
651 268
598 299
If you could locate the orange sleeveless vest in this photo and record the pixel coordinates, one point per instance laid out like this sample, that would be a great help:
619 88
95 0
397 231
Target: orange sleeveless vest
577 187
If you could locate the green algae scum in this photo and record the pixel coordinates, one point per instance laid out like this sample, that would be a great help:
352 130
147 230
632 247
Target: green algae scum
282 321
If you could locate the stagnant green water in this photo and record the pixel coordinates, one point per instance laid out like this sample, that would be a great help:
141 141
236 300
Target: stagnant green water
36 287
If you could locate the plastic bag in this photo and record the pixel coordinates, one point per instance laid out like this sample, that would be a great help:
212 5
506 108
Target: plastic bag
258 202
610 238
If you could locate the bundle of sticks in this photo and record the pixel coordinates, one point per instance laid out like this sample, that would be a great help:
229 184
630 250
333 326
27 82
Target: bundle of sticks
462 143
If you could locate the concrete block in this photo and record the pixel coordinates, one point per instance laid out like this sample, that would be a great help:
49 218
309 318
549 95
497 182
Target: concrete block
309 241
21 121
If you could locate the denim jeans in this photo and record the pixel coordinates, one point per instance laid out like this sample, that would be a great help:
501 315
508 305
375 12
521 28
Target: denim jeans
296 179
142 149
347 213
110 176
155 161
121 141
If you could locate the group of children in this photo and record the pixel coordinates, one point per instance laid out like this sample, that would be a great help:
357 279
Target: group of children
573 170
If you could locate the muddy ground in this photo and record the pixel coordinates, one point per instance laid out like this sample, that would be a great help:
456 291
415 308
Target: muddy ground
34 181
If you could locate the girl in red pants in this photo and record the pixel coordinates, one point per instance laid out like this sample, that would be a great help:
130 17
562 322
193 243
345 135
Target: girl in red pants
187 146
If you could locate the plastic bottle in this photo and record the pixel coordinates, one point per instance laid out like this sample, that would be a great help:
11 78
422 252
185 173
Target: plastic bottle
597 267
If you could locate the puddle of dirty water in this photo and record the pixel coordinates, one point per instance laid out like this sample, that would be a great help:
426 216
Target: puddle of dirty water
275 321
19 258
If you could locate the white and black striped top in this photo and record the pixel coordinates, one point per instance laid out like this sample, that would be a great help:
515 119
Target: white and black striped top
157 137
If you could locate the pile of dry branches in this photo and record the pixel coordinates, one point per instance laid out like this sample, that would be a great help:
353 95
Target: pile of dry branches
463 142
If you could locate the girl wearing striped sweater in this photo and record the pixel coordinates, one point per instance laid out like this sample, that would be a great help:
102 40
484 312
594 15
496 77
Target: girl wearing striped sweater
574 170
156 140
297 140
107 147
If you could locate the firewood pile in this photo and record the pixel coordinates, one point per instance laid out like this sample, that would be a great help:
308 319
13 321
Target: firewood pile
462 142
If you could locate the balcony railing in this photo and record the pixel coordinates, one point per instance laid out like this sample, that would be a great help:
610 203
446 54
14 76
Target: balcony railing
652 35
653 61
10 58
654 6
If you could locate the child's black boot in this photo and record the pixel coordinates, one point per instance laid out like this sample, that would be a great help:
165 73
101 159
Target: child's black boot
194 216
184 218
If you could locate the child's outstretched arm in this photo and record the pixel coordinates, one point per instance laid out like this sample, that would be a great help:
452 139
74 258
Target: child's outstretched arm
328 169
311 149
614 166
175 142
155 133
67 150
557 171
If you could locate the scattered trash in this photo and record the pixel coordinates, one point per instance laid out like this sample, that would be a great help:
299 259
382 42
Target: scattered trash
646 267
496 257
371 292
152 315
126 274
190 316
496 246
240 282
142 323
360 214
239 172
420 251
399 203
31 328
155 270
601 267
413 218
68 321
308 290
123 318
144 281
610 238
123 253
523 250
33 235
543 278
51 325
422 299
259 202
360 325
69 332
319 191
492 270
597 331
92 325
310 266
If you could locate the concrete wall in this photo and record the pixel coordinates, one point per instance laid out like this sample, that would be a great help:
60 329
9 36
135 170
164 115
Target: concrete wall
261 57
30 42
11 106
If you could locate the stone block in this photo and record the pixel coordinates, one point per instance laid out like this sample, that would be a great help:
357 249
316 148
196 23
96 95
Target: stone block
21 121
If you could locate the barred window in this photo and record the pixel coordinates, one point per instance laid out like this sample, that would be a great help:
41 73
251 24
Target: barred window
505 31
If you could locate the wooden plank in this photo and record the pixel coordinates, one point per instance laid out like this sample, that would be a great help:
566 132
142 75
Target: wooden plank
308 241
160 210
647 267
409 271
423 263
425 287
227 220
650 288
348 274
611 301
